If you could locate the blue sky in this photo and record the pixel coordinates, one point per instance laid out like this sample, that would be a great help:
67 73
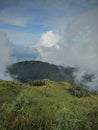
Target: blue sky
62 32
25 20
47 29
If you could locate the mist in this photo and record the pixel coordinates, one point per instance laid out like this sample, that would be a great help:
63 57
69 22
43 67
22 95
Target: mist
76 46
6 57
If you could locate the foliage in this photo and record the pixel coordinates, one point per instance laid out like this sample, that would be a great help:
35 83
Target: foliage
73 120
39 83
36 70
79 91
93 116
48 107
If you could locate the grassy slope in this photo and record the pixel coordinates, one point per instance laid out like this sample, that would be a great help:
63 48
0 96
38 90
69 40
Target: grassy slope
25 107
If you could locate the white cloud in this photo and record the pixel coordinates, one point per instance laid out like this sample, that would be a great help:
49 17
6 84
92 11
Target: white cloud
78 46
5 55
87 20
47 45
49 39
23 12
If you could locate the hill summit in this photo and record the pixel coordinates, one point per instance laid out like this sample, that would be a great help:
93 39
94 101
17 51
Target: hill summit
35 70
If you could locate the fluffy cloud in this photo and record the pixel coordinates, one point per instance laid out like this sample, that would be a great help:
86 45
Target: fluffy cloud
5 55
83 53
49 39
47 45
77 46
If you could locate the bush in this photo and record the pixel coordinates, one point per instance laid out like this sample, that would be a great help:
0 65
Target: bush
23 115
17 115
79 92
93 116
73 120
39 83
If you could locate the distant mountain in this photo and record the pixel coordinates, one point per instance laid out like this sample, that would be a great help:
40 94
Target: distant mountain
34 70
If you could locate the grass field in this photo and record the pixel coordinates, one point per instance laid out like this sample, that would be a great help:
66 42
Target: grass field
52 106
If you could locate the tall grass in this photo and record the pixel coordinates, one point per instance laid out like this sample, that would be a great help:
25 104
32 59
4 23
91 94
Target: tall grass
49 107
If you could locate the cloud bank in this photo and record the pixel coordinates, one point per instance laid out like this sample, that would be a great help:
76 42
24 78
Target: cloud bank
5 55
48 13
77 46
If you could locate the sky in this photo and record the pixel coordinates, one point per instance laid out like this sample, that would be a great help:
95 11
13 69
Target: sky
62 32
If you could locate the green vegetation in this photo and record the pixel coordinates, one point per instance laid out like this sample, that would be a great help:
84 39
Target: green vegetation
50 106
36 70
37 82
79 91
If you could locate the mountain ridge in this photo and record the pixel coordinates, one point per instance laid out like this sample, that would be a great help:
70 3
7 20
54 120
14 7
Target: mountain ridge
34 70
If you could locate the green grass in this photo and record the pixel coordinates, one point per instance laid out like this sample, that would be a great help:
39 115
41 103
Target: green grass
48 107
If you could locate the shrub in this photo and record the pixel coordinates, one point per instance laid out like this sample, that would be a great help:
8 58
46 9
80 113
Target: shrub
93 116
73 120
79 92
38 82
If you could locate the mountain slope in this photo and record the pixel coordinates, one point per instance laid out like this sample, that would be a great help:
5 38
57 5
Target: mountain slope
34 70
48 107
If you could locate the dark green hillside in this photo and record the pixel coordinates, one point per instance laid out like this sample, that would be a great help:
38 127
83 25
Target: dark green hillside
51 106
34 70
